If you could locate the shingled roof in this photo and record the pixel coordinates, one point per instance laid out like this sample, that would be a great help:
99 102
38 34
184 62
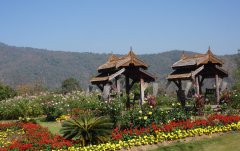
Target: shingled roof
128 65
196 60
189 66
127 60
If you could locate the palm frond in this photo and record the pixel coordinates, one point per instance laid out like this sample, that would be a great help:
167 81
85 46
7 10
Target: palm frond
88 130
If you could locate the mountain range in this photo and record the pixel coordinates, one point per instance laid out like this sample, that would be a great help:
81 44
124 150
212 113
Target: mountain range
25 65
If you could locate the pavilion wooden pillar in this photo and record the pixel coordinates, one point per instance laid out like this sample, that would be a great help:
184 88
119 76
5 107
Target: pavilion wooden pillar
180 93
141 91
180 84
217 88
117 82
127 91
106 91
201 84
197 85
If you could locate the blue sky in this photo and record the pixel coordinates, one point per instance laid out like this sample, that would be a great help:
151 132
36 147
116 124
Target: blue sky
149 26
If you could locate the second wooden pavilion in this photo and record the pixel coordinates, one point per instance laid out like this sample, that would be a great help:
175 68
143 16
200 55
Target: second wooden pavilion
196 69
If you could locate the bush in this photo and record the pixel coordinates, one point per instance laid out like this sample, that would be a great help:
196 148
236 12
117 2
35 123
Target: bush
20 107
145 116
6 92
88 130
114 109
235 100
53 107
69 85
166 100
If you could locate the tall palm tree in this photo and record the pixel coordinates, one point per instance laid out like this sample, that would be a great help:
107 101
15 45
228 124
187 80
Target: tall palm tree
87 129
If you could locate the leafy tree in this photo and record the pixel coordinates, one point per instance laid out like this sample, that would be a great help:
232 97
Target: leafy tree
87 130
6 92
69 85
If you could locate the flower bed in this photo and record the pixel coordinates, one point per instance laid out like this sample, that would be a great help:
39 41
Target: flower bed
173 125
154 134
28 136
159 137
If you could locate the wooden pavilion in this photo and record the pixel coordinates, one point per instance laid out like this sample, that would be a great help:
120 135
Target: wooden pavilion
129 66
197 68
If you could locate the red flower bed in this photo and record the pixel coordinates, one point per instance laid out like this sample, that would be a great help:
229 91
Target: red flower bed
223 119
212 120
36 138
5 126
118 134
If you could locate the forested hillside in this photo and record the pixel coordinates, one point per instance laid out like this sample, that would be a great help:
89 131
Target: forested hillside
23 65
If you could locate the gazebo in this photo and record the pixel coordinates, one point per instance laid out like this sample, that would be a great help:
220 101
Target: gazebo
197 68
132 68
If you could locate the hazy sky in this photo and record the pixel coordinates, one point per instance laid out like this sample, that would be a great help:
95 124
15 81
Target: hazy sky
149 26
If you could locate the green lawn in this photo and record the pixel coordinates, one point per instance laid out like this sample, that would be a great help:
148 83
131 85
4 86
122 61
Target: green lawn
226 142
53 127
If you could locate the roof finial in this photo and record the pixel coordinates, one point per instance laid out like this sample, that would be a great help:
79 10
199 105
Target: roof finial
209 52
183 55
130 48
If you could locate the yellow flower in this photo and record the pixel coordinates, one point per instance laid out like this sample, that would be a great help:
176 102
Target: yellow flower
139 117
140 112
145 117
150 113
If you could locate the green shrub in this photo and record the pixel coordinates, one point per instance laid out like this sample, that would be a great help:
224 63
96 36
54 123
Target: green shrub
208 109
113 109
166 100
20 107
69 85
235 100
6 92
87 130
52 107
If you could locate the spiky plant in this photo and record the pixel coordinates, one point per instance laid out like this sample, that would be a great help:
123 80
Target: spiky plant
87 130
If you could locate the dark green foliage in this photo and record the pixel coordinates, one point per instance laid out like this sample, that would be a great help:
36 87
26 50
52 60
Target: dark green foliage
145 116
114 109
20 107
87 130
6 92
69 85
235 100
52 107
166 100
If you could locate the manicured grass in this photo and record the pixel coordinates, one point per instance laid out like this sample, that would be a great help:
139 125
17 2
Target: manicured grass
226 142
53 127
